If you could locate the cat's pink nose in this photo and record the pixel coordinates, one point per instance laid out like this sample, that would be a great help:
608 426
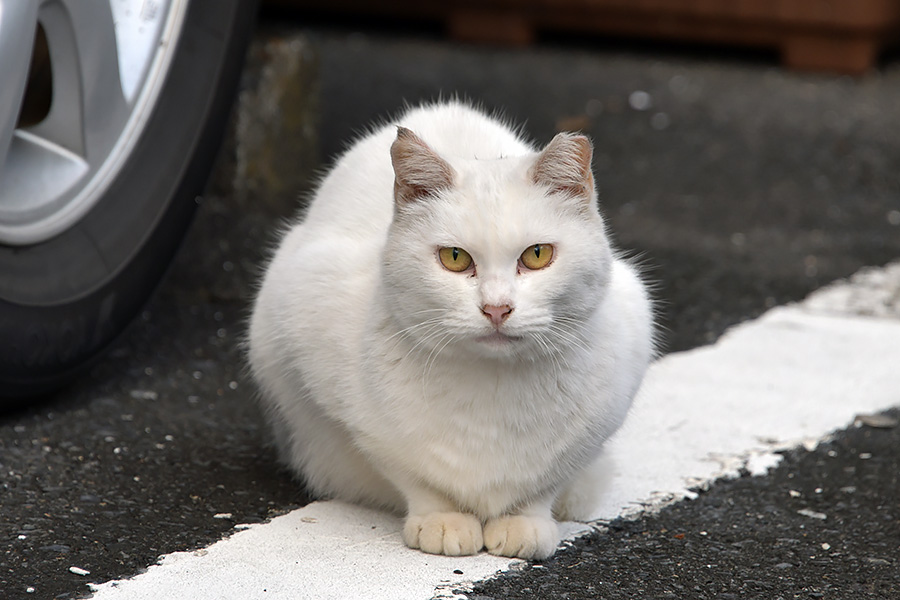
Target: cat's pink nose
497 314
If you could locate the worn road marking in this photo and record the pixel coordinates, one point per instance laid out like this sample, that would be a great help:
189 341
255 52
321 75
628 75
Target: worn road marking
787 378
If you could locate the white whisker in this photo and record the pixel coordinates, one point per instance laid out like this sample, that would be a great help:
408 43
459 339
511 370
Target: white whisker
544 343
571 336
405 332
428 310
427 337
432 359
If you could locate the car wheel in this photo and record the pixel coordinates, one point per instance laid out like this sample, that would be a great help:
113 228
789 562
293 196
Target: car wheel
111 113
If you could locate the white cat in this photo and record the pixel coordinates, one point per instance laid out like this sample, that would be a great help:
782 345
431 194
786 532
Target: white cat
447 334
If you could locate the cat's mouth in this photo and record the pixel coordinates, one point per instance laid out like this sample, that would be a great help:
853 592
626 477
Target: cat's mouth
497 338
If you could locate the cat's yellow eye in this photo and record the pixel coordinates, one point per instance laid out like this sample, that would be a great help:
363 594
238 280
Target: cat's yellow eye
455 259
537 256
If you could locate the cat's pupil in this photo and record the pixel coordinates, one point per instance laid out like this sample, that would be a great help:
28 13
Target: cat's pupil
537 251
455 254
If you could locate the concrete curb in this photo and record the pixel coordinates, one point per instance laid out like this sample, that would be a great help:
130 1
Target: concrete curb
787 378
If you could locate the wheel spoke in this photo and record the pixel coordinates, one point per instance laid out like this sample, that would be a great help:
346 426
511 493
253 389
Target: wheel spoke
28 197
89 108
18 25
107 62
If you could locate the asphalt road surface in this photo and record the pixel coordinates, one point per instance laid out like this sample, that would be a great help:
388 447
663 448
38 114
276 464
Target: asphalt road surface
824 524
740 186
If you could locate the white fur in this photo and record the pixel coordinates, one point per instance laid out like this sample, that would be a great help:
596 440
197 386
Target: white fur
365 347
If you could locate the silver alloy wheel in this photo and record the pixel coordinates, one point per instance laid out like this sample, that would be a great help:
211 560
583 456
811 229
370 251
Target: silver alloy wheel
144 122
108 61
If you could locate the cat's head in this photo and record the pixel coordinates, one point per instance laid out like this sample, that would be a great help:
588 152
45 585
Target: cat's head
501 257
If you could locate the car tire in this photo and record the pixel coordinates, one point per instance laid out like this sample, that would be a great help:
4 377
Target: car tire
65 299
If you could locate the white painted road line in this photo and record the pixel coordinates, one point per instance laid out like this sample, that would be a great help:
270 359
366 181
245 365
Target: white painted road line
789 377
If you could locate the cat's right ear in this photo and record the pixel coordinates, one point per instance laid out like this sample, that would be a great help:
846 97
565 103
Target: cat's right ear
418 171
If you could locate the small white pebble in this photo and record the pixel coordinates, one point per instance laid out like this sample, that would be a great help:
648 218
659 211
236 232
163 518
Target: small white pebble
818 490
23 537
826 546
794 493
517 565
812 514
170 438
878 421
222 516
233 385
79 571
197 374
29 590
865 455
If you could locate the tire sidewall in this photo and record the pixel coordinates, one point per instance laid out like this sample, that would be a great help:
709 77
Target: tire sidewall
64 300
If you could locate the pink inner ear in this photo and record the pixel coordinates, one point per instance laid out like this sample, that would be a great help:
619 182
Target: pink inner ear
418 170
564 165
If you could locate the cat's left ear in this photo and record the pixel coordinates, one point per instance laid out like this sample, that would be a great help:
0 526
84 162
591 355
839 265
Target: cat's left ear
564 166
418 171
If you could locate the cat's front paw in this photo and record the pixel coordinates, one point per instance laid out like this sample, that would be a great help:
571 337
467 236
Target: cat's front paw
521 536
450 533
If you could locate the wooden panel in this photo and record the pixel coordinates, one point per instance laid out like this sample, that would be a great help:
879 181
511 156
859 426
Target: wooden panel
843 36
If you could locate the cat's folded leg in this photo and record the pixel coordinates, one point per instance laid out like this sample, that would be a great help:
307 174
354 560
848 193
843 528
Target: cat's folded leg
321 451
531 533
434 525
581 498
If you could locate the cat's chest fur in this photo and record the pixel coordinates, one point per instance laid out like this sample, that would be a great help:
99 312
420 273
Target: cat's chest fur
490 434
